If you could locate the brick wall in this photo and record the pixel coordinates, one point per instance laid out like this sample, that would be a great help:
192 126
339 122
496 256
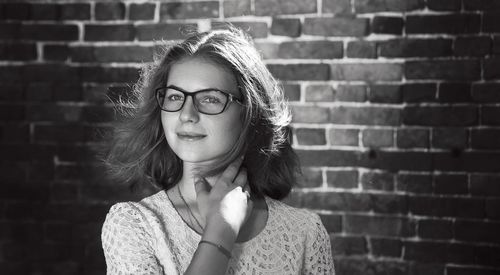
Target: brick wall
396 110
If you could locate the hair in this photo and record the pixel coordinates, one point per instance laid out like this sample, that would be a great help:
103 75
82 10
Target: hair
138 152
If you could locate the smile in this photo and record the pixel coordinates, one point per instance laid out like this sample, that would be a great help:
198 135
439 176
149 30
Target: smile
190 136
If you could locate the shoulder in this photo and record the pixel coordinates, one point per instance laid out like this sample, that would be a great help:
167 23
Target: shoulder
296 217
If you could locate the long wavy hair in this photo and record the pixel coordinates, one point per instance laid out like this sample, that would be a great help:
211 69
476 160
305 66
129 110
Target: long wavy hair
138 152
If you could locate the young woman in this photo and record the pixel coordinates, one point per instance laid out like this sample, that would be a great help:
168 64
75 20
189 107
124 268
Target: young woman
209 130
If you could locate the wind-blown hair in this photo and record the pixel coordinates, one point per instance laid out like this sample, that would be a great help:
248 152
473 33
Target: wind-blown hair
139 153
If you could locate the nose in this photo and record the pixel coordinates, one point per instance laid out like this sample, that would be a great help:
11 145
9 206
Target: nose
188 111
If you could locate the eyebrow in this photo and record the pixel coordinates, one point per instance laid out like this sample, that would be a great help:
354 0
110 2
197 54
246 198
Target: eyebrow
206 89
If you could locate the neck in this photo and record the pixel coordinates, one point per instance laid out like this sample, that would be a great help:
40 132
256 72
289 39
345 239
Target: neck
186 183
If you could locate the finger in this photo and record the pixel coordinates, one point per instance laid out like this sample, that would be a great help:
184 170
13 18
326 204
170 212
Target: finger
231 171
241 178
201 186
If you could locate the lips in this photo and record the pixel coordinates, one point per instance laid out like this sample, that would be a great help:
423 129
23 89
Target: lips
190 136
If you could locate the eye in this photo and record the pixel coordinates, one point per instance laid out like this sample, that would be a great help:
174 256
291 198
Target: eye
175 98
210 99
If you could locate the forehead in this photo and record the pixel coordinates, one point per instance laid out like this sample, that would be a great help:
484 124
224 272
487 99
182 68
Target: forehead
193 74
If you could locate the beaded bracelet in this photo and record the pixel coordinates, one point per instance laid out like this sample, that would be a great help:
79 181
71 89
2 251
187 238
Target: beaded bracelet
220 247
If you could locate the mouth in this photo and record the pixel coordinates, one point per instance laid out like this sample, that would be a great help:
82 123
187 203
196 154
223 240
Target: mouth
188 136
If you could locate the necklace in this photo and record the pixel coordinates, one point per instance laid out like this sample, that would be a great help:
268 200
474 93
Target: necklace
189 208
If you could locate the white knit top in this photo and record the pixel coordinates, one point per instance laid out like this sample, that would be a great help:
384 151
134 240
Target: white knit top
149 237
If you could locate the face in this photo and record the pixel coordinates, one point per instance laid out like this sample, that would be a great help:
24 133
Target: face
195 137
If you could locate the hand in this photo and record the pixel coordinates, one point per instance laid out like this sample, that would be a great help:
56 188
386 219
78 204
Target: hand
228 202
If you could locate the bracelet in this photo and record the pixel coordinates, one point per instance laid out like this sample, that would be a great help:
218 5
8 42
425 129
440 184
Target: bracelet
219 247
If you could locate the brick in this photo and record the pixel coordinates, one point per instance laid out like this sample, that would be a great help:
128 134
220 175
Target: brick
451 184
142 11
58 133
332 223
292 92
319 93
385 93
446 207
386 247
237 8
310 114
55 52
355 93
485 185
16 11
75 11
414 183
365 115
109 74
492 208
377 181
360 266
311 49
14 133
450 23
379 225
52 112
344 26
44 12
11 92
368 6
347 137
254 29
109 11
496 45
349 245
336 6
490 23
477 231
376 138
461 270
449 138
332 158
169 31
10 31
188 10
12 113
66 92
18 51
443 69
310 178
486 92
419 92
490 115
389 203
454 92
361 49
425 251
342 178
412 138
307 136
302 71
50 72
285 27
112 32
104 54
460 160
491 68
486 5
263 7
435 229
387 25
415 47
440 116
448 5
49 32
366 71
472 46
268 50
337 201
485 138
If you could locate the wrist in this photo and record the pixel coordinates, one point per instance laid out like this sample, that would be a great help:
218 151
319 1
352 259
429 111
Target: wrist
220 232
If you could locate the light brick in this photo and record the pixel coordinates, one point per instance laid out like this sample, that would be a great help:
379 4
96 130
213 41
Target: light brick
188 10
366 71
347 137
319 93
308 136
264 7
344 26
311 50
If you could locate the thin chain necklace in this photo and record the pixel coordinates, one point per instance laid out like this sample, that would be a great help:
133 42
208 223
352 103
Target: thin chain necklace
189 208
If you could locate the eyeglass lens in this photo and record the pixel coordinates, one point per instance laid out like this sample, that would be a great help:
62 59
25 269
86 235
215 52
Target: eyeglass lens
210 102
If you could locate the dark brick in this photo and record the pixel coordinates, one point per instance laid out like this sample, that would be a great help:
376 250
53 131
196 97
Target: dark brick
449 23
109 11
285 26
419 92
425 251
496 45
412 138
332 223
355 93
461 270
492 208
263 7
491 68
306 136
379 226
142 11
169 31
66 92
319 93
10 31
435 229
336 6
444 5
477 231
344 26
179 10
55 52
44 11
18 51
115 32
44 72
349 245
14 133
486 5
485 185
446 207
443 69
311 49
104 54
414 183
449 138
486 92
237 8
58 133
52 112
490 115
49 32
389 203
387 25
347 137
368 6
12 113
385 93
292 92
415 47
365 115
109 74
361 49
450 184
310 178
472 46
75 11
300 71
377 181
342 178
454 92
362 266
466 161
366 71
440 116
485 138
490 22
11 92
16 11
376 138
332 158
386 247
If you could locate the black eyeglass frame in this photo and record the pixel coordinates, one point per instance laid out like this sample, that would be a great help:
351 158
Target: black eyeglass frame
229 98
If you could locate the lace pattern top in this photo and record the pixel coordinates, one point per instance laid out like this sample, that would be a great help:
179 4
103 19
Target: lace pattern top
149 237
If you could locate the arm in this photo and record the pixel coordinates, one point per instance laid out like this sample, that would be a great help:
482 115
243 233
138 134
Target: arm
318 253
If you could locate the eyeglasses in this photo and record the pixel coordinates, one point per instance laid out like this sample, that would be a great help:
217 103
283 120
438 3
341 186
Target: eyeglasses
207 101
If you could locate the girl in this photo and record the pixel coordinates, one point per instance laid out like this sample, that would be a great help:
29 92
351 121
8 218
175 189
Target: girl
209 130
